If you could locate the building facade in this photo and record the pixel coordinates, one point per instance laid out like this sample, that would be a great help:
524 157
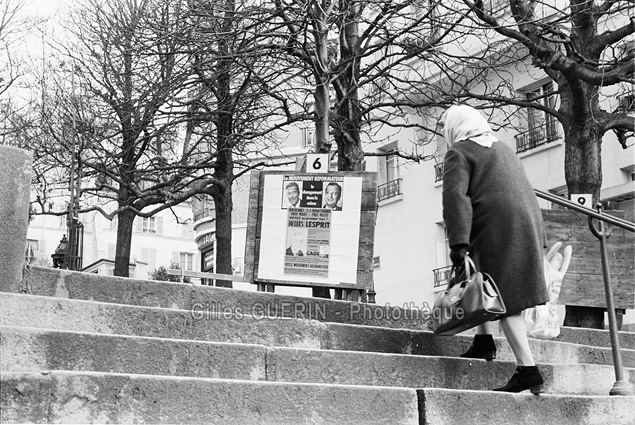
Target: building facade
164 239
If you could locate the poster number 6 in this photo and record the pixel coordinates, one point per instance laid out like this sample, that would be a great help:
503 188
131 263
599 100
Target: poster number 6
317 163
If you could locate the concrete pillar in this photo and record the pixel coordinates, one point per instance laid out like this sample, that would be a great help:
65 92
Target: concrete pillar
15 186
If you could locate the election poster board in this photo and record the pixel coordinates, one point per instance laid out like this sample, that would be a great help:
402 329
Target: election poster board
308 229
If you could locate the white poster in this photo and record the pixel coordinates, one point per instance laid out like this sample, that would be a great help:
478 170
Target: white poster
308 240
310 228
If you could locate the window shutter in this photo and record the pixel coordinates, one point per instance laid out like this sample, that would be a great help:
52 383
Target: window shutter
138 224
152 259
190 262
159 225
111 251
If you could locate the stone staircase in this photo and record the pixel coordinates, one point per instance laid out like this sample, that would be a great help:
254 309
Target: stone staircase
79 348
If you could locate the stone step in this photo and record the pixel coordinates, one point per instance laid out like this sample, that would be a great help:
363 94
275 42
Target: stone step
582 336
35 350
85 397
595 337
92 397
442 406
20 310
203 299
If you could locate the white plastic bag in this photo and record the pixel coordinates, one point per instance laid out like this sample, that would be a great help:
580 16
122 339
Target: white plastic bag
542 321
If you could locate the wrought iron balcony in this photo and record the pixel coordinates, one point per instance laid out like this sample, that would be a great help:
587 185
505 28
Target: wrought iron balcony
389 190
438 172
204 212
441 276
537 136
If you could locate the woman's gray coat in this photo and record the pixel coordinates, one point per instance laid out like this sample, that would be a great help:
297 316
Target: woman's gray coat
489 204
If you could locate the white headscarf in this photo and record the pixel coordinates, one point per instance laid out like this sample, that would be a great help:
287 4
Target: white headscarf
463 122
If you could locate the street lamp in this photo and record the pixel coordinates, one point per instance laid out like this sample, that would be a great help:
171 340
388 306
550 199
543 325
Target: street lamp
59 256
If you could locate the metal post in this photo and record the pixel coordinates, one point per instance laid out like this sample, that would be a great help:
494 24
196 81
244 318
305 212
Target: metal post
621 386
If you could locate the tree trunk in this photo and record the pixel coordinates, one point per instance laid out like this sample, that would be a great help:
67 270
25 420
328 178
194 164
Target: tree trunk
125 221
583 174
223 204
583 158
224 149
322 73
347 117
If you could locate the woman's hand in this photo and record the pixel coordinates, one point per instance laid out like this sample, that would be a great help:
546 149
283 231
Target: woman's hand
457 255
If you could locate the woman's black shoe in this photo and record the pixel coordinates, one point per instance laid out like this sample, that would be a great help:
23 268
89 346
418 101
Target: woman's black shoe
525 378
482 347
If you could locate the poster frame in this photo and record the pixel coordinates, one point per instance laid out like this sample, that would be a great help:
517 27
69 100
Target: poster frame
367 221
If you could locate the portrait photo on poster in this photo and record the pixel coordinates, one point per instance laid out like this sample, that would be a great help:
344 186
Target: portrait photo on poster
292 195
333 196
313 192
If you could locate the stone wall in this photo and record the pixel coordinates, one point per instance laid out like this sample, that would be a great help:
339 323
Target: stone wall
15 175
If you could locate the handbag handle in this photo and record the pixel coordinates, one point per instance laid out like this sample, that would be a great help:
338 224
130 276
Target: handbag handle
467 262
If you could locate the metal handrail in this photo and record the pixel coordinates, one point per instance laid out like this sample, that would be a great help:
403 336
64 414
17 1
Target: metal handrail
621 386
616 221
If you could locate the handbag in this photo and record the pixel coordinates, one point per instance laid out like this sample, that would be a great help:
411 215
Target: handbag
472 301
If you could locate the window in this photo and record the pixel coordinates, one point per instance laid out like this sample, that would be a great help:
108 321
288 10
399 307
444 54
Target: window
439 155
541 126
442 273
308 137
32 249
186 261
392 167
388 167
149 225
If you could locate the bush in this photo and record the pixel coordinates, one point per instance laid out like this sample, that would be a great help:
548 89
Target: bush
162 274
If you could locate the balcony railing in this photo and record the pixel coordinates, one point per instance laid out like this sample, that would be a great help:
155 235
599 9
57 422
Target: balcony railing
537 136
438 172
441 276
389 190
205 212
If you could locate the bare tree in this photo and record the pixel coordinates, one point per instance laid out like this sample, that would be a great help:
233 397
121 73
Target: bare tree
14 26
239 96
152 104
362 57
111 116
11 31
584 48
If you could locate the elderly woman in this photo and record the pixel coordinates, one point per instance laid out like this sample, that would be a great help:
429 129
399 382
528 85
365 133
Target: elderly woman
491 212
